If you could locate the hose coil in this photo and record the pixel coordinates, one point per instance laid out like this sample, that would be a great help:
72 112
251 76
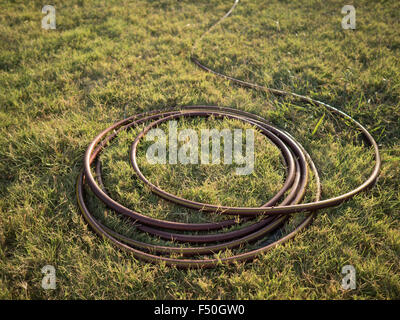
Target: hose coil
274 213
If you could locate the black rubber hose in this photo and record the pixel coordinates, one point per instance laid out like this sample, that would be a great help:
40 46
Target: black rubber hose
273 214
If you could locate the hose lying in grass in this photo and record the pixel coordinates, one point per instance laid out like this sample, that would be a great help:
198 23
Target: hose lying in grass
274 213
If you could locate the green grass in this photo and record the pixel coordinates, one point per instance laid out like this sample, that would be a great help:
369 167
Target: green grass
108 59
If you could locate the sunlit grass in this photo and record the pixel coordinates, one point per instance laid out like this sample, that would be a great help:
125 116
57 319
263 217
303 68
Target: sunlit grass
110 59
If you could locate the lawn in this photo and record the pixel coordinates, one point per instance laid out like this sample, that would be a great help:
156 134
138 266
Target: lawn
110 59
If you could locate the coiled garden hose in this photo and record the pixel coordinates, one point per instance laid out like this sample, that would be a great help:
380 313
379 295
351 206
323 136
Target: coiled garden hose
274 213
